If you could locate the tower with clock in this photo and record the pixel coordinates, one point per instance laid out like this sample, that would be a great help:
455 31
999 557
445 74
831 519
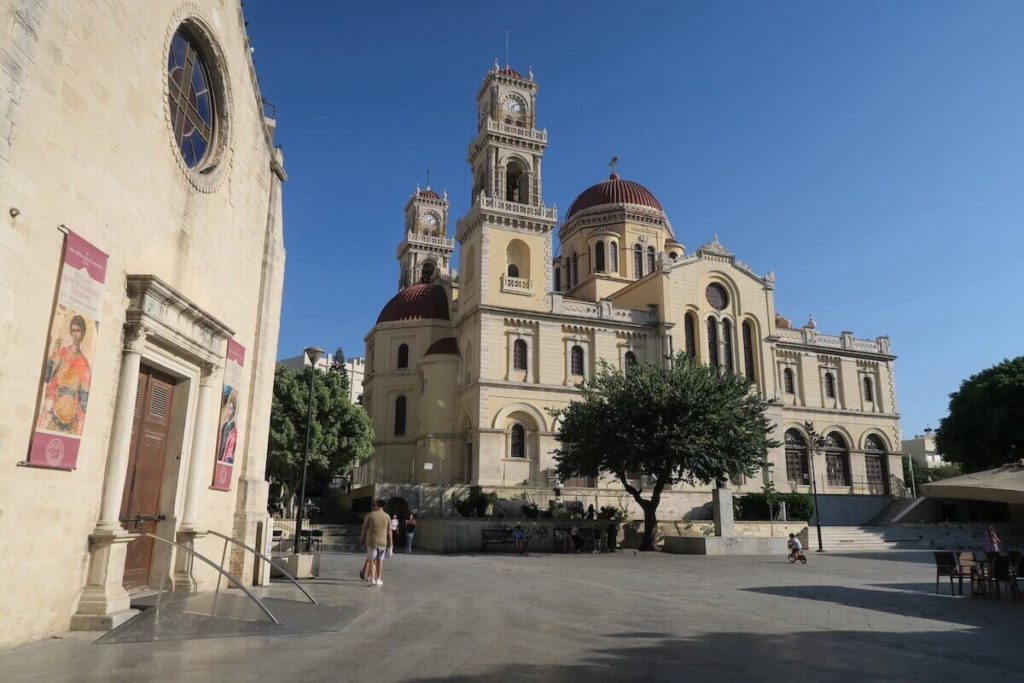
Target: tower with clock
426 251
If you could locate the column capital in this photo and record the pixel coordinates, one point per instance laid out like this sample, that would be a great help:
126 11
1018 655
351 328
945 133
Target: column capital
134 337
207 373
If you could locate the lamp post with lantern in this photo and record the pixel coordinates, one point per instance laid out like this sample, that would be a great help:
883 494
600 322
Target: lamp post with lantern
817 443
313 354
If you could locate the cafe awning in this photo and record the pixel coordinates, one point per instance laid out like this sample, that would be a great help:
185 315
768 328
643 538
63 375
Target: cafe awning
1001 485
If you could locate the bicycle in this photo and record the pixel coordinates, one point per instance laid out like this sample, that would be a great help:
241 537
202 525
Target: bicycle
795 555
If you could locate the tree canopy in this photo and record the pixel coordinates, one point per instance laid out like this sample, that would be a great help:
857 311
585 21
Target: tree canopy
341 437
986 418
684 423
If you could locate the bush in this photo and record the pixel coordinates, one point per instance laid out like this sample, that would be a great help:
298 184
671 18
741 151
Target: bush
753 507
475 503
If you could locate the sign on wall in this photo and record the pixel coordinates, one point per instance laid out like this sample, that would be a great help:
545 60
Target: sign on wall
71 349
227 434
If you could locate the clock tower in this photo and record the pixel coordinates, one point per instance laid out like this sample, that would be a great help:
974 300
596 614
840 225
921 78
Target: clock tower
426 251
505 237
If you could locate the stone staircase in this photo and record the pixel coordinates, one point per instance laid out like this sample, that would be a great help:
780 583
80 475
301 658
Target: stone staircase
341 538
895 511
909 537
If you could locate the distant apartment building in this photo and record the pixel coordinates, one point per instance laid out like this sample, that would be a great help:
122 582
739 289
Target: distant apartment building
354 367
921 450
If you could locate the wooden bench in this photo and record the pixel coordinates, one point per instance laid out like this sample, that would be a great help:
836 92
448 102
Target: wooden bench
495 537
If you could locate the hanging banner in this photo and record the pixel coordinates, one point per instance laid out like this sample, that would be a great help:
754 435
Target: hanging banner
71 348
227 434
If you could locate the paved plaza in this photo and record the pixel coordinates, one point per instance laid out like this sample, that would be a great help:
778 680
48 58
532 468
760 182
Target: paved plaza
606 617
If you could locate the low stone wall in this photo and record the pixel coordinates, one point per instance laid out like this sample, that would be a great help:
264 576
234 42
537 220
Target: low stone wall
632 531
464 535
713 545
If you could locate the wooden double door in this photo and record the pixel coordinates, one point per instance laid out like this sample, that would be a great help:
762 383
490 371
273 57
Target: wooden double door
140 504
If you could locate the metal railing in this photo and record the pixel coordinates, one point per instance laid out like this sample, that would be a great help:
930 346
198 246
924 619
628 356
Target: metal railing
258 554
210 562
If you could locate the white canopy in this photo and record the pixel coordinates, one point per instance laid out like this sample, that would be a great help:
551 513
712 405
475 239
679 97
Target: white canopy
1002 485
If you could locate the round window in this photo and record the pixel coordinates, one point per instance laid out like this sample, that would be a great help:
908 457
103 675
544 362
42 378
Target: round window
193 116
717 296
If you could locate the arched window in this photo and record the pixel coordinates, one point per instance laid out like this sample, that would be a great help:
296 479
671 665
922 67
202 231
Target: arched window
400 416
691 335
517 441
638 261
576 360
599 256
869 393
830 385
797 463
575 268
748 349
837 460
727 354
516 182
427 272
403 355
519 355
788 381
558 280
513 270
713 342
650 259
467 361
468 265
874 464
629 360
613 256
405 277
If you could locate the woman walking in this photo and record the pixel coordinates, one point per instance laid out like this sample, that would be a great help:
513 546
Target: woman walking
995 543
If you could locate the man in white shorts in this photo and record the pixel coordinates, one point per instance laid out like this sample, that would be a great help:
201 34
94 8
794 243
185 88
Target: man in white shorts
377 537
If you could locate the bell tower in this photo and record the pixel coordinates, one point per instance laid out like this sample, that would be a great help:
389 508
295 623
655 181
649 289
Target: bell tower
505 237
426 251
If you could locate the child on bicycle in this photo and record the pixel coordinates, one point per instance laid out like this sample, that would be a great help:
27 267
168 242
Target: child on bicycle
796 548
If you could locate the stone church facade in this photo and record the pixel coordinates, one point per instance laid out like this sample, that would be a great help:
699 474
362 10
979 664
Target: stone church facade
138 127
462 369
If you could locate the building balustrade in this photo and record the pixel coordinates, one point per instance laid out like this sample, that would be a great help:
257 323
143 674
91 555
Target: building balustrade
509 129
516 285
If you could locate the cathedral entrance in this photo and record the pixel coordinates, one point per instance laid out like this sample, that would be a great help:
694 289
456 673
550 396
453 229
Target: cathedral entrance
140 504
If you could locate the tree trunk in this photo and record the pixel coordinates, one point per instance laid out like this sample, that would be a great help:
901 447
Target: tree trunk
650 526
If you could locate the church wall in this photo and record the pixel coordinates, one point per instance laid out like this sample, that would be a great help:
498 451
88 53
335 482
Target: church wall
117 181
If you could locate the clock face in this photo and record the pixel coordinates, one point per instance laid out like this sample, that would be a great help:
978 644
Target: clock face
430 220
514 106
717 297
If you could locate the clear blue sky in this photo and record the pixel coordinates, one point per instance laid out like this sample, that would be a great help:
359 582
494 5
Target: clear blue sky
870 153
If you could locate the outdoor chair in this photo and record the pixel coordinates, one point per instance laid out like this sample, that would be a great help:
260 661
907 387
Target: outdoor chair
1004 570
316 537
970 568
945 565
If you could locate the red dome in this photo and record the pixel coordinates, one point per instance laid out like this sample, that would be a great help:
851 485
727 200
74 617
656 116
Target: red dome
419 302
509 71
444 347
428 193
614 191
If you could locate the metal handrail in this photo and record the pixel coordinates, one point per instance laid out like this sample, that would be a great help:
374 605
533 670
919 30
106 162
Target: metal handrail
264 557
211 563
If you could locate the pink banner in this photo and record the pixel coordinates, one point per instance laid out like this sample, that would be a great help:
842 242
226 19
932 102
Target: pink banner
227 434
71 347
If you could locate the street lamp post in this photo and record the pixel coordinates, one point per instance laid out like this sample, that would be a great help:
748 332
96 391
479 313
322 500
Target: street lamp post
817 441
313 353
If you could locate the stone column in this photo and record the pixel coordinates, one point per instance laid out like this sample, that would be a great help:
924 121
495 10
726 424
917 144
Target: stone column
104 603
722 501
198 463
121 430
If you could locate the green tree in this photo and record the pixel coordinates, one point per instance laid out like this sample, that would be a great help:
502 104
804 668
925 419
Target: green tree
685 423
986 418
341 436
338 363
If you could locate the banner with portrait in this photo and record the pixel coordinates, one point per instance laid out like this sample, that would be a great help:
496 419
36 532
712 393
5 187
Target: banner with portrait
227 431
70 353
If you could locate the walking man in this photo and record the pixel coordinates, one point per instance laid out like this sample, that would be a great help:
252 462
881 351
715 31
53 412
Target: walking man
377 538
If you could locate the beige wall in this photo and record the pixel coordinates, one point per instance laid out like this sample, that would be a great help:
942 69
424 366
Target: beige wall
89 146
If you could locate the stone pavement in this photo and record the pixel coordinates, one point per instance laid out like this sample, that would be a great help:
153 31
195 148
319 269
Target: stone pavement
613 617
